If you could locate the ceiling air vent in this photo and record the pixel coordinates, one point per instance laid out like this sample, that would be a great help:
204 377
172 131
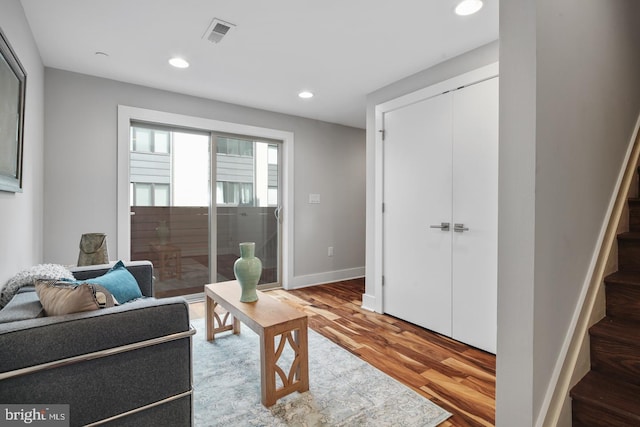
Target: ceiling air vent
217 30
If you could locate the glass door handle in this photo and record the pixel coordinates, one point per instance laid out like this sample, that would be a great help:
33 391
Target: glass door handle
444 226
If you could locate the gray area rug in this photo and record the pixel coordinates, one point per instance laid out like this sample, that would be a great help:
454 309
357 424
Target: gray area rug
344 390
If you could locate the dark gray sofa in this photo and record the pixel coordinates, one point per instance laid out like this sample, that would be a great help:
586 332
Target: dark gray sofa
127 365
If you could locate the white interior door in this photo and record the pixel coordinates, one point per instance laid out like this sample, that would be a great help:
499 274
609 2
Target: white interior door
417 195
475 204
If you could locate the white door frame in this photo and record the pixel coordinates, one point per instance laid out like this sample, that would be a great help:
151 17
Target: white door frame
492 70
126 114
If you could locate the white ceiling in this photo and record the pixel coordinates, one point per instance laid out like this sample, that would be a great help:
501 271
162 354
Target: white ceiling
339 49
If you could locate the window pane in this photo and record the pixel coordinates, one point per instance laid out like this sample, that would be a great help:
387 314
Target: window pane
161 194
161 141
246 148
170 195
219 193
246 196
142 139
143 194
221 147
272 196
190 174
233 147
272 155
232 193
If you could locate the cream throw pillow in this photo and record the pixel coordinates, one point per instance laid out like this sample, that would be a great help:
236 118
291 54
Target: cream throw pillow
58 297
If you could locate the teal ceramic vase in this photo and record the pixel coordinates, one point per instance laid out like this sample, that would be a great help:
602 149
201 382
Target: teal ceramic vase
248 269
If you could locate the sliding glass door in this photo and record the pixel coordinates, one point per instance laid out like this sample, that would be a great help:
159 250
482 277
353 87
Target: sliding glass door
190 224
247 195
169 206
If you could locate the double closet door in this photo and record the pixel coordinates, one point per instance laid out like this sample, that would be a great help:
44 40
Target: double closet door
441 213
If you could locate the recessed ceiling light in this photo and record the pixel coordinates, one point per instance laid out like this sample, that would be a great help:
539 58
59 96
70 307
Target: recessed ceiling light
104 54
305 94
178 62
468 7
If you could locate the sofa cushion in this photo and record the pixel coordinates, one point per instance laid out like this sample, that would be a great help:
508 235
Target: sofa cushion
119 281
141 270
59 297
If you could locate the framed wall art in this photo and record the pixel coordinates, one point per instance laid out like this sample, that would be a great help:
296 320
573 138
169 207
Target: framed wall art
13 81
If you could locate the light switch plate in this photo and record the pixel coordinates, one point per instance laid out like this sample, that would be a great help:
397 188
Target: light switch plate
314 198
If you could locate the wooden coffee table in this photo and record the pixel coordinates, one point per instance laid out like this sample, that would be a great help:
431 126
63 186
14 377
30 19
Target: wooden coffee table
269 318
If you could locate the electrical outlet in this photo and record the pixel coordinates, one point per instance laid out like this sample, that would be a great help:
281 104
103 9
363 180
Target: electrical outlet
330 251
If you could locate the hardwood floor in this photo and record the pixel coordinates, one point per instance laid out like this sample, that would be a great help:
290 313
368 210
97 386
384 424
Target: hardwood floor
459 378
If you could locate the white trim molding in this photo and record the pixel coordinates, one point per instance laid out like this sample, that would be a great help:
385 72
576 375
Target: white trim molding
126 114
326 277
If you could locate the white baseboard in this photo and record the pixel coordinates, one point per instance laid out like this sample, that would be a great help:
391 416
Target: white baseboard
368 302
326 277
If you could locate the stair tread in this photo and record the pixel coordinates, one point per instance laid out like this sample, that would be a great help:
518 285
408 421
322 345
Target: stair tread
611 394
624 277
612 328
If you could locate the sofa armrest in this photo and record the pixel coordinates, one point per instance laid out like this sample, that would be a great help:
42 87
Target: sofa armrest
103 363
141 270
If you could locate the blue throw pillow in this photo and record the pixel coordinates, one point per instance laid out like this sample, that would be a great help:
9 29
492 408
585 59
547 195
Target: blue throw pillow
119 281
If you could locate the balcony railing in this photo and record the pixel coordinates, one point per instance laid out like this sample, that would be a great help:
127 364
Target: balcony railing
176 240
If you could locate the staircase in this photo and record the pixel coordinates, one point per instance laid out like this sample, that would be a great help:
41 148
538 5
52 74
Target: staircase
609 395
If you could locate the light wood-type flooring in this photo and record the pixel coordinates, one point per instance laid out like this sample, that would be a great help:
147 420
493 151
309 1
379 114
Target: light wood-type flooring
459 378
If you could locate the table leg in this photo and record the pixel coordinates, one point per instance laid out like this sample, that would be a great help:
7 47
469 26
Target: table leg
267 368
215 324
302 339
236 326
210 308
297 377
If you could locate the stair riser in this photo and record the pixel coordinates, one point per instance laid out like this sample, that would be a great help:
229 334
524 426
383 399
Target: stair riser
623 301
616 358
634 217
585 414
629 254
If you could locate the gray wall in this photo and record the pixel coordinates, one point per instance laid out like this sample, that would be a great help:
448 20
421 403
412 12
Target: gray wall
570 97
516 215
21 213
80 179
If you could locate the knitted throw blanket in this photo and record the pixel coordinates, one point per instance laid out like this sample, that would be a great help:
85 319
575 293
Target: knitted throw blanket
28 277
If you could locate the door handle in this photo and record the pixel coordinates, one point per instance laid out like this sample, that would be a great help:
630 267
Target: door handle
444 226
459 228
